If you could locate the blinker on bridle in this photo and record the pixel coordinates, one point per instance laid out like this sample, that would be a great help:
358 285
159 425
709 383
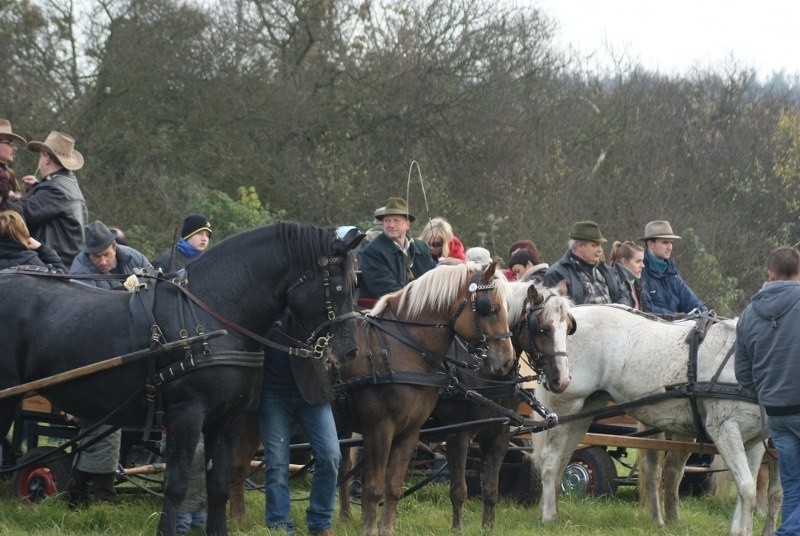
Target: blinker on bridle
481 305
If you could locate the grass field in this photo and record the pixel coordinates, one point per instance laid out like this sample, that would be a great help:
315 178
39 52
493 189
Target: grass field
427 512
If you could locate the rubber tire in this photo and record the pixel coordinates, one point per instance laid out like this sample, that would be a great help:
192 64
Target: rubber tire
590 473
36 482
522 480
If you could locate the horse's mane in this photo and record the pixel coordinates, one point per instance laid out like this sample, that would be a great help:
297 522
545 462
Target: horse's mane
302 243
438 289
555 305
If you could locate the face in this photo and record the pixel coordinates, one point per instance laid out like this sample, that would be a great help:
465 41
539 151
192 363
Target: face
435 246
588 251
105 260
519 270
395 228
199 240
8 148
635 264
661 248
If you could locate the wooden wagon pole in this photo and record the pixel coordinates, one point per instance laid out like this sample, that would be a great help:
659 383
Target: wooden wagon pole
106 364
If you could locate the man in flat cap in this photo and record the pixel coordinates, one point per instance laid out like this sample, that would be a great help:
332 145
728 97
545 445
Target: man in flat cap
392 260
588 278
667 290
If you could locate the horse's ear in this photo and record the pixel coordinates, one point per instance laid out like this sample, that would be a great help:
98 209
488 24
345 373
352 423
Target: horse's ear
561 287
534 298
488 273
354 242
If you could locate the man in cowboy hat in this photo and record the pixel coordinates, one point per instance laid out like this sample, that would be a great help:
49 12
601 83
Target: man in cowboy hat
668 292
53 207
392 260
9 187
588 278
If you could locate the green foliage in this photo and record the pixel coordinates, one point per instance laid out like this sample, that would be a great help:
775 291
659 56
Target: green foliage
229 216
720 292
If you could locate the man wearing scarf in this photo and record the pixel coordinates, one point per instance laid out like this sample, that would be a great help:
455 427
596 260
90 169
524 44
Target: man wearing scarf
195 237
588 278
667 290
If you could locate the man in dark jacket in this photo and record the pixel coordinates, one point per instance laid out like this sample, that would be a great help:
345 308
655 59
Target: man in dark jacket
767 361
392 260
102 255
53 207
668 292
588 278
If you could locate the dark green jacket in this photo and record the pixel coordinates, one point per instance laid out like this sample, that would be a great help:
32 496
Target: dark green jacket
383 268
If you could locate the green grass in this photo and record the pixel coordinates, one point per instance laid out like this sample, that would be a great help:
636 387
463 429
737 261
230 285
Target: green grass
427 512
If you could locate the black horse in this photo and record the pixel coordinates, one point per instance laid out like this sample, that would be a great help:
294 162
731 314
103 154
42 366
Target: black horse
52 325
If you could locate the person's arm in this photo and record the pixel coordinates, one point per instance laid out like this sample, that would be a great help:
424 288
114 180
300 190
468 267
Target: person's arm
688 300
743 362
376 276
47 254
45 204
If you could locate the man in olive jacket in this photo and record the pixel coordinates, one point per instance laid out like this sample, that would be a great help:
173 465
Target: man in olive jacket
392 260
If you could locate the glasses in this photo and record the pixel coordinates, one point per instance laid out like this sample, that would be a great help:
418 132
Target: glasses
7 142
437 244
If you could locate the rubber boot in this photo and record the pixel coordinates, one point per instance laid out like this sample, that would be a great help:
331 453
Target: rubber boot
103 487
78 489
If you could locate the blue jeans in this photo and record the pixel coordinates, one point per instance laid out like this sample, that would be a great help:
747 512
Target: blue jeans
786 437
187 521
280 409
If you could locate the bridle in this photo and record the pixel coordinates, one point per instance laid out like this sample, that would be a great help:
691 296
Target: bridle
530 320
481 306
334 289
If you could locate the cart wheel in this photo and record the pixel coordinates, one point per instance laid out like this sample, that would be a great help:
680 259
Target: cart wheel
590 473
35 482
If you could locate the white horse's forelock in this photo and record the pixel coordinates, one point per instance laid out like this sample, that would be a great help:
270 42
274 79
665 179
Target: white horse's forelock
556 306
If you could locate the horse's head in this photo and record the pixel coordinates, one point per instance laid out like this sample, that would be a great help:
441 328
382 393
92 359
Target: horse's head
322 303
541 322
481 319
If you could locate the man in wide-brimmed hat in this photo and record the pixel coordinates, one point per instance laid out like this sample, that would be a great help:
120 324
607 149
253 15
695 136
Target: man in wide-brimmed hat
667 290
392 259
9 187
53 207
588 278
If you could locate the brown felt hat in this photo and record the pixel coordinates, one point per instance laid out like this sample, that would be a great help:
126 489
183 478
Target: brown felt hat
395 206
62 146
587 231
7 134
658 229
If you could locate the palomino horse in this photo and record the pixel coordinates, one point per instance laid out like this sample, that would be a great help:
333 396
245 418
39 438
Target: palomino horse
54 325
540 322
623 356
392 385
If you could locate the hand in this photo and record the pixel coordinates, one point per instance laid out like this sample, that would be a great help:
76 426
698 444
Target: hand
33 243
29 181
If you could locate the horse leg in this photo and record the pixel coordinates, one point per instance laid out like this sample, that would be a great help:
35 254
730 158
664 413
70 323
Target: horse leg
743 466
183 433
376 455
651 467
674 465
457 446
246 441
218 463
774 495
345 466
494 450
552 450
399 455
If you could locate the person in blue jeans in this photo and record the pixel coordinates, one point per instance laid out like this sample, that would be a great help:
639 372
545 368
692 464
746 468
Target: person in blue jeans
297 390
767 361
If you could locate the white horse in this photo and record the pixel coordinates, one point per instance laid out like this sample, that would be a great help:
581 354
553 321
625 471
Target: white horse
622 356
